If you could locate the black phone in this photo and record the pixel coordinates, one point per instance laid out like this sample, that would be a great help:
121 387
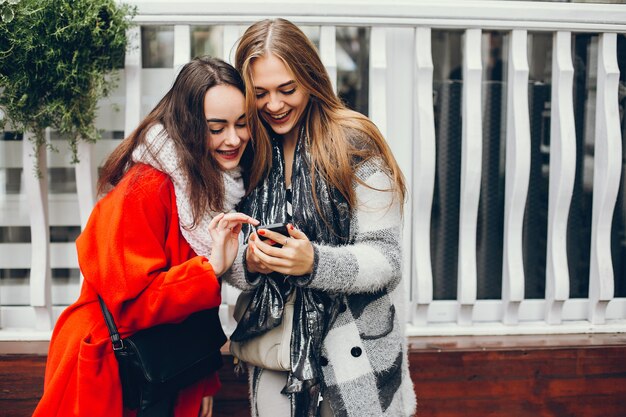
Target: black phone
275 227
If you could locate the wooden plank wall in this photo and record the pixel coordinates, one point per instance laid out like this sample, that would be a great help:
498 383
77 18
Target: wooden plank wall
545 378
538 376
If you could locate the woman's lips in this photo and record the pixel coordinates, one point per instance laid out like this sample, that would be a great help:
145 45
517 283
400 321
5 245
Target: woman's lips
229 154
279 118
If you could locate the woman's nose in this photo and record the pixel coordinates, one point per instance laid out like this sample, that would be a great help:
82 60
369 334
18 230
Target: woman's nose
274 104
232 138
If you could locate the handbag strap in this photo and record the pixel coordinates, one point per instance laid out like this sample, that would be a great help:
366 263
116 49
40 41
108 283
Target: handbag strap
116 340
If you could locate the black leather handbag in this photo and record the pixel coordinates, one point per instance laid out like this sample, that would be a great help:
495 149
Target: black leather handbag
155 363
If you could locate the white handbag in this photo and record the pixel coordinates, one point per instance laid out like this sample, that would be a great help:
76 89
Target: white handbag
272 349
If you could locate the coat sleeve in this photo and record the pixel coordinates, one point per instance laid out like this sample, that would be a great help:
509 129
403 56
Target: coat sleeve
237 275
374 260
134 256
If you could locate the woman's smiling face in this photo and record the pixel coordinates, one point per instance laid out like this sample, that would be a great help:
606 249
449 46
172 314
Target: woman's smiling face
224 109
280 100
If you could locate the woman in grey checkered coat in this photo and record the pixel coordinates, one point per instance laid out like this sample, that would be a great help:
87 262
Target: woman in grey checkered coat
327 172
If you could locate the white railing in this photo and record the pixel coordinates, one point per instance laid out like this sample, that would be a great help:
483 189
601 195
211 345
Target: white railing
401 104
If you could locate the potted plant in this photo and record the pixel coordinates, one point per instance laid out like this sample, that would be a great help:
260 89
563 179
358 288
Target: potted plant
57 59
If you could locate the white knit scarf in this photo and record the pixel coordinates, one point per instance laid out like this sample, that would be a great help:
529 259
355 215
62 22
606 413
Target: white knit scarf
159 152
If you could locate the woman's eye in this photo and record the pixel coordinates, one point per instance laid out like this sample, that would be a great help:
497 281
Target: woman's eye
289 92
260 95
216 131
241 125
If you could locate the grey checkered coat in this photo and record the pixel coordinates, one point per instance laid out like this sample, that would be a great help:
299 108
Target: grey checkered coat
364 357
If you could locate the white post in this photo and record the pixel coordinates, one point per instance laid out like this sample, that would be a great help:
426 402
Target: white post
182 47
37 194
328 52
424 157
86 178
562 175
229 45
132 71
471 157
378 79
606 178
517 176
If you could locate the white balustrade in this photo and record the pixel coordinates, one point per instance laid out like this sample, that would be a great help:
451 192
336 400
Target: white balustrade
401 103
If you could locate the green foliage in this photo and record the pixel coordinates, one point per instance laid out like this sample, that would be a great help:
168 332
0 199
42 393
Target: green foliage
57 59
6 9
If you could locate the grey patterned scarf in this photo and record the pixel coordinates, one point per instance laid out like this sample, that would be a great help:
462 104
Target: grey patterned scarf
314 311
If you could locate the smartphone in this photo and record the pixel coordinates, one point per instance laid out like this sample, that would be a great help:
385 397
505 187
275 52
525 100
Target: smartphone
275 227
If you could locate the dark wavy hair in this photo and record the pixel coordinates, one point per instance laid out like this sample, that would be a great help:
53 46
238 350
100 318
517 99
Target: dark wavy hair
181 112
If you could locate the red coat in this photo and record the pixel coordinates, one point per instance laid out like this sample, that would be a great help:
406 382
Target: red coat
133 254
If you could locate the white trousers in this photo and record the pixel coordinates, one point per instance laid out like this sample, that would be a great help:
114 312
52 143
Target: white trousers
271 403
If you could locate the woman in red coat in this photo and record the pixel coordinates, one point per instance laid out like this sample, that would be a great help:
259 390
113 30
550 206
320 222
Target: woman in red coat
157 242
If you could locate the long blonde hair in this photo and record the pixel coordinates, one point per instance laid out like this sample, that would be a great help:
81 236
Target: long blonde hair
337 134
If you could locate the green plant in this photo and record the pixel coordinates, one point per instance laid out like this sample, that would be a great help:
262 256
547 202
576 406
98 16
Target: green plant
57 59
6 9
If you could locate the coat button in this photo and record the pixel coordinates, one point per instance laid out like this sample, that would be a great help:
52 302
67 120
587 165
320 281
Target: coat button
356 351
323 361
342 307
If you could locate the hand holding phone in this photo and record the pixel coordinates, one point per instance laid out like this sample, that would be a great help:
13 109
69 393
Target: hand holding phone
296 259
275 227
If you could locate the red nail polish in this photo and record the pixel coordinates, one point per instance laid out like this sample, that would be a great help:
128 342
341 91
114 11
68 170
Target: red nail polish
291 226
261 232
